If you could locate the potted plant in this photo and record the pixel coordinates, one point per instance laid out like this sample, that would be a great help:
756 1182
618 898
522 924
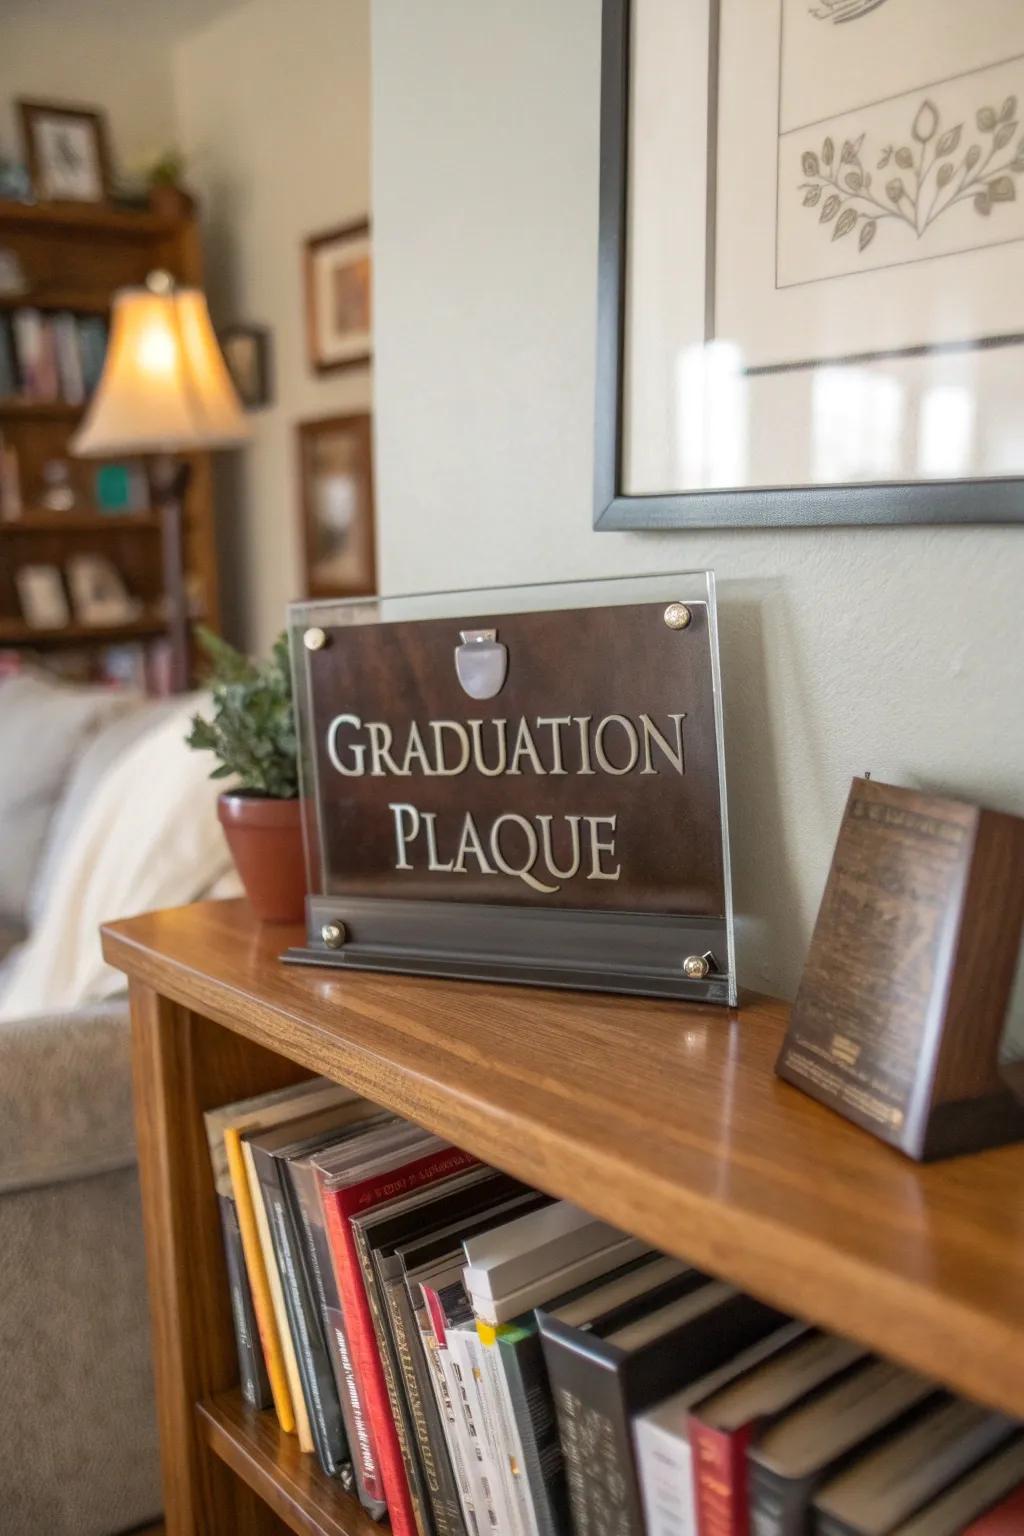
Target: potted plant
252 734
167 196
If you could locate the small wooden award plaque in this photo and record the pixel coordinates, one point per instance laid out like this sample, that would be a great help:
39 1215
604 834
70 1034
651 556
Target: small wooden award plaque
901 1010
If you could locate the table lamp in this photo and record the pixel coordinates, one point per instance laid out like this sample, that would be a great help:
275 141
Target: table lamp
164 391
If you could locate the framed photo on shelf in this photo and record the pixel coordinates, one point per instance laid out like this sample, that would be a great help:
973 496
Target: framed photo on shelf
66 150
41 597
339 297
246 350
810 247
336 506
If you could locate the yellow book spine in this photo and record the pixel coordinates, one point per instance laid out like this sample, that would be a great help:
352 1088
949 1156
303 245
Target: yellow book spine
259 1284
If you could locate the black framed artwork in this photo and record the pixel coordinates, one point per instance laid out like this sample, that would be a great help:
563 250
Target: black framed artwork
811 243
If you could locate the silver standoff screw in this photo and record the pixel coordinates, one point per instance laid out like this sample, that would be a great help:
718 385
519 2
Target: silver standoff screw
677 615
314 639
333 935
696 967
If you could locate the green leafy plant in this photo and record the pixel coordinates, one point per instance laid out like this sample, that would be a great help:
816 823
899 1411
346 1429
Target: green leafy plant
168 170
252 732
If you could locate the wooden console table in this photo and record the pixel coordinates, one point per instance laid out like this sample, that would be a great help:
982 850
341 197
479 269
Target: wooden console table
661 1117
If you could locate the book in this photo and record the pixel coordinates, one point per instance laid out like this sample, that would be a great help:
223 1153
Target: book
9 380
515 1351
972 1498
320 1271
662 1437
92 346
68 358
1005 1519
429 1222
504 1268
225 1125
896 1479
724 1423
793 1457
604 1374
266 1150
346 1190
29 347
252 1371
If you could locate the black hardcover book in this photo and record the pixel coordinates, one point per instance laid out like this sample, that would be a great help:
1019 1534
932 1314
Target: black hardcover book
437 1216
318 1387
316 1253
810 1444
603 1375
252 1370
882 1489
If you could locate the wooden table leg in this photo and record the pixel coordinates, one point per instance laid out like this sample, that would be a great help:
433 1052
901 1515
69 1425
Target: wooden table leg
183 1065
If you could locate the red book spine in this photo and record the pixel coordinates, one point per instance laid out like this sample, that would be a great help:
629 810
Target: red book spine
1006 1519
339 1206
720 1479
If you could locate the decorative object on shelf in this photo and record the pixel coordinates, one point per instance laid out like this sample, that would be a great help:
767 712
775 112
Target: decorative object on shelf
523 784
10 483
164 391
121 488
339 304
67 153
58 493
12 275
44 603
813 315
164 181
252 735
15 182
336 505
915 965
98 594
246 351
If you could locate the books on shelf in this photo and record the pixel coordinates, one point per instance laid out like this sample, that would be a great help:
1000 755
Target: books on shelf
472 1358
46 358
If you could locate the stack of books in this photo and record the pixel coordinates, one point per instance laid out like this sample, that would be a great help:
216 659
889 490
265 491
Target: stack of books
468 1356
48 358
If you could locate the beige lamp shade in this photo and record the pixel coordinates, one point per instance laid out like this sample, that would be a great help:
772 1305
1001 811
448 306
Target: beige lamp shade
164 387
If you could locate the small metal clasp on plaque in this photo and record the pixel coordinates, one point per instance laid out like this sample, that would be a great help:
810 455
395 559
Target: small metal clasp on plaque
696 967
334 935
677 615
481 663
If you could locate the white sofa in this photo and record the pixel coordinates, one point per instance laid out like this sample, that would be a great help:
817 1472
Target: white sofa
78 1447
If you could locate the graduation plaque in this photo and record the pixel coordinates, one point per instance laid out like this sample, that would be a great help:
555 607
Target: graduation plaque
519 784
913 972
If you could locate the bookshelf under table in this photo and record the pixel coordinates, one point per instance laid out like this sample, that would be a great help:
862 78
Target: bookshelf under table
662 1117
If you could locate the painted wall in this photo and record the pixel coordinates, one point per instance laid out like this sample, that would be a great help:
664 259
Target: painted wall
107 53
897 651
273 112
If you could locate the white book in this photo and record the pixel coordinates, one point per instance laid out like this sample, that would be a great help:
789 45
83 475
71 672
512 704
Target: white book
506 1258
556 1282
662 1439
485 1415
69 361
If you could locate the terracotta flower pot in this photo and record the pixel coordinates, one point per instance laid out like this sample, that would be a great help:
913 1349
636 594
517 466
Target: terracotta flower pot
265 838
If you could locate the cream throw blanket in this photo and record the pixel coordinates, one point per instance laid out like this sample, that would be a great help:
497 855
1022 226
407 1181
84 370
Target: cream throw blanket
148 838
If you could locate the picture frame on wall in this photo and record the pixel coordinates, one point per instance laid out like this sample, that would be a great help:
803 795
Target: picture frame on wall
336 504
810 240
339 297
67 152
246 350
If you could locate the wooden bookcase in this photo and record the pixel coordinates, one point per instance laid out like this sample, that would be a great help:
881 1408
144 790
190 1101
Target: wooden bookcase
664 1118
75 256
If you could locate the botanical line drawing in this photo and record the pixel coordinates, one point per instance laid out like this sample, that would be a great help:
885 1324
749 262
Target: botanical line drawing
843 10
930 178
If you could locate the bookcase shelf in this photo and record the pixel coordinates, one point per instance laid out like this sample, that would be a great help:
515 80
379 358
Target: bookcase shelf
14 633
272 1465
663 1118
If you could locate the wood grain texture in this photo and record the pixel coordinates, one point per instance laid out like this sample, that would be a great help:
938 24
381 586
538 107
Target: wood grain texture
663 1118
270 1462
181 1066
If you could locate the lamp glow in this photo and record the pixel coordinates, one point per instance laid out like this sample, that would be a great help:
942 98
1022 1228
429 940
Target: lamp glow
164 388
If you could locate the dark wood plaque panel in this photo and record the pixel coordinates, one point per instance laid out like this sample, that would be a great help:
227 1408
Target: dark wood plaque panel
577 664
900 1012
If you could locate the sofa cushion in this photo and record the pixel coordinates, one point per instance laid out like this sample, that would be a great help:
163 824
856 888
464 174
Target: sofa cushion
44 725
107 745
65 1096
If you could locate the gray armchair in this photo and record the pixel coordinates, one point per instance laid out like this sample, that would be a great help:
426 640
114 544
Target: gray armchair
78 1455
